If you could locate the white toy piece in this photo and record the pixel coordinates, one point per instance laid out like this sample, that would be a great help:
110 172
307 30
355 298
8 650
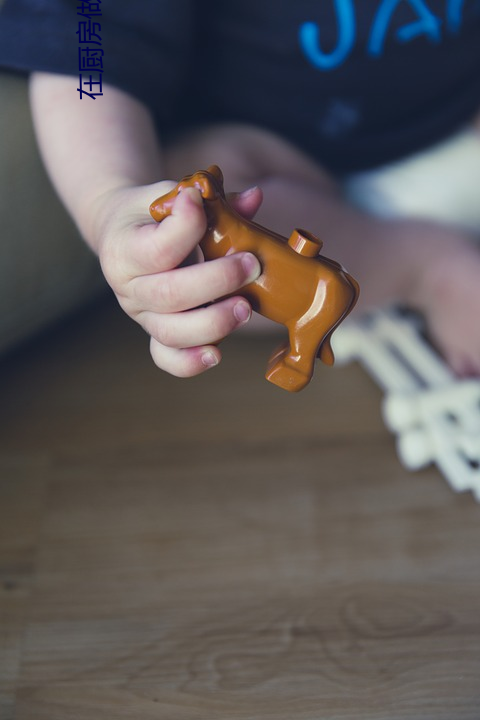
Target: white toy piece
435 416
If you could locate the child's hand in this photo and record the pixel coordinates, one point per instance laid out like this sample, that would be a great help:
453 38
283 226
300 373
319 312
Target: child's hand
447 292
157 273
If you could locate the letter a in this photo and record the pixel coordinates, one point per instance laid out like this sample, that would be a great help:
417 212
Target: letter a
427 24
454 15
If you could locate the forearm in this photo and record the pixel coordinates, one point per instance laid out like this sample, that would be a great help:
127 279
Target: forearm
377 252
92 147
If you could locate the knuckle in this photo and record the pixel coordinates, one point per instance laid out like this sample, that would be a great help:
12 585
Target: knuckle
162 257
155 352
167 292
110 267
164 334
130 307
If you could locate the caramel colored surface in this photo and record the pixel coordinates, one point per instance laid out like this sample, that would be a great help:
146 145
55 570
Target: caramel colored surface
307 293
214 549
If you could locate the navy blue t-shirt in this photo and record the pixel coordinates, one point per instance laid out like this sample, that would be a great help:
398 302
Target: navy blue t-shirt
355 83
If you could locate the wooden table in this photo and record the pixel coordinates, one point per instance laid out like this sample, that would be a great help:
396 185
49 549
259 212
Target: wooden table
218 549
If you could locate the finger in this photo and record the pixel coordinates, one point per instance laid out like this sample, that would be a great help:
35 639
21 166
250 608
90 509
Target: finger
464 365
186 362
202 326
188 287
163 246
247 202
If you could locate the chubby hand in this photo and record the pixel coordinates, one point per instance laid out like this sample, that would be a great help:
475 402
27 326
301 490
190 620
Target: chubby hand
448 294
159 277
440 267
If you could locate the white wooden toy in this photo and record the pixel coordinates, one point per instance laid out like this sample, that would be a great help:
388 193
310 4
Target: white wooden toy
434 415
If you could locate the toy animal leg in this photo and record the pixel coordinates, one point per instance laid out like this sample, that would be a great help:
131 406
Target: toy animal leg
291 365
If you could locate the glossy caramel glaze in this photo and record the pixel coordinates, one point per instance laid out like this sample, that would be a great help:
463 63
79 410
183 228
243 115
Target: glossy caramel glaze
305 291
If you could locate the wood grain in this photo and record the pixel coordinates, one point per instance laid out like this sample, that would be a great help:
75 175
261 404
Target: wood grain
219 549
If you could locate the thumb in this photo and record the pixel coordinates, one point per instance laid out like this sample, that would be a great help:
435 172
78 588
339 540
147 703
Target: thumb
247 202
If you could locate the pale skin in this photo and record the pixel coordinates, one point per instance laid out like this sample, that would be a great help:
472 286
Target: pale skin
105 159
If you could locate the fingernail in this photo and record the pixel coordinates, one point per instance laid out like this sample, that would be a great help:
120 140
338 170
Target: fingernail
251 266
209 359
242 312
249 191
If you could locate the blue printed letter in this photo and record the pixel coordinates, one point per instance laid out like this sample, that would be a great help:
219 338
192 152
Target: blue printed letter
427 24
310 38
454 15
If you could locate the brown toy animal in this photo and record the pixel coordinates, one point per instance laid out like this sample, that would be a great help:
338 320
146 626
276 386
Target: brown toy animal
308 294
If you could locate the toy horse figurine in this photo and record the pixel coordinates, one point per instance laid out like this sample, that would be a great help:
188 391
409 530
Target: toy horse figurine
307 293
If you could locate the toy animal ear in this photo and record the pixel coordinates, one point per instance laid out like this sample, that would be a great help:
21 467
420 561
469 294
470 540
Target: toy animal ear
207 186
211 182
217 173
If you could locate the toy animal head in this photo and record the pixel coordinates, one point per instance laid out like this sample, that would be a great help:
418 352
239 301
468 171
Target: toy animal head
208 182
